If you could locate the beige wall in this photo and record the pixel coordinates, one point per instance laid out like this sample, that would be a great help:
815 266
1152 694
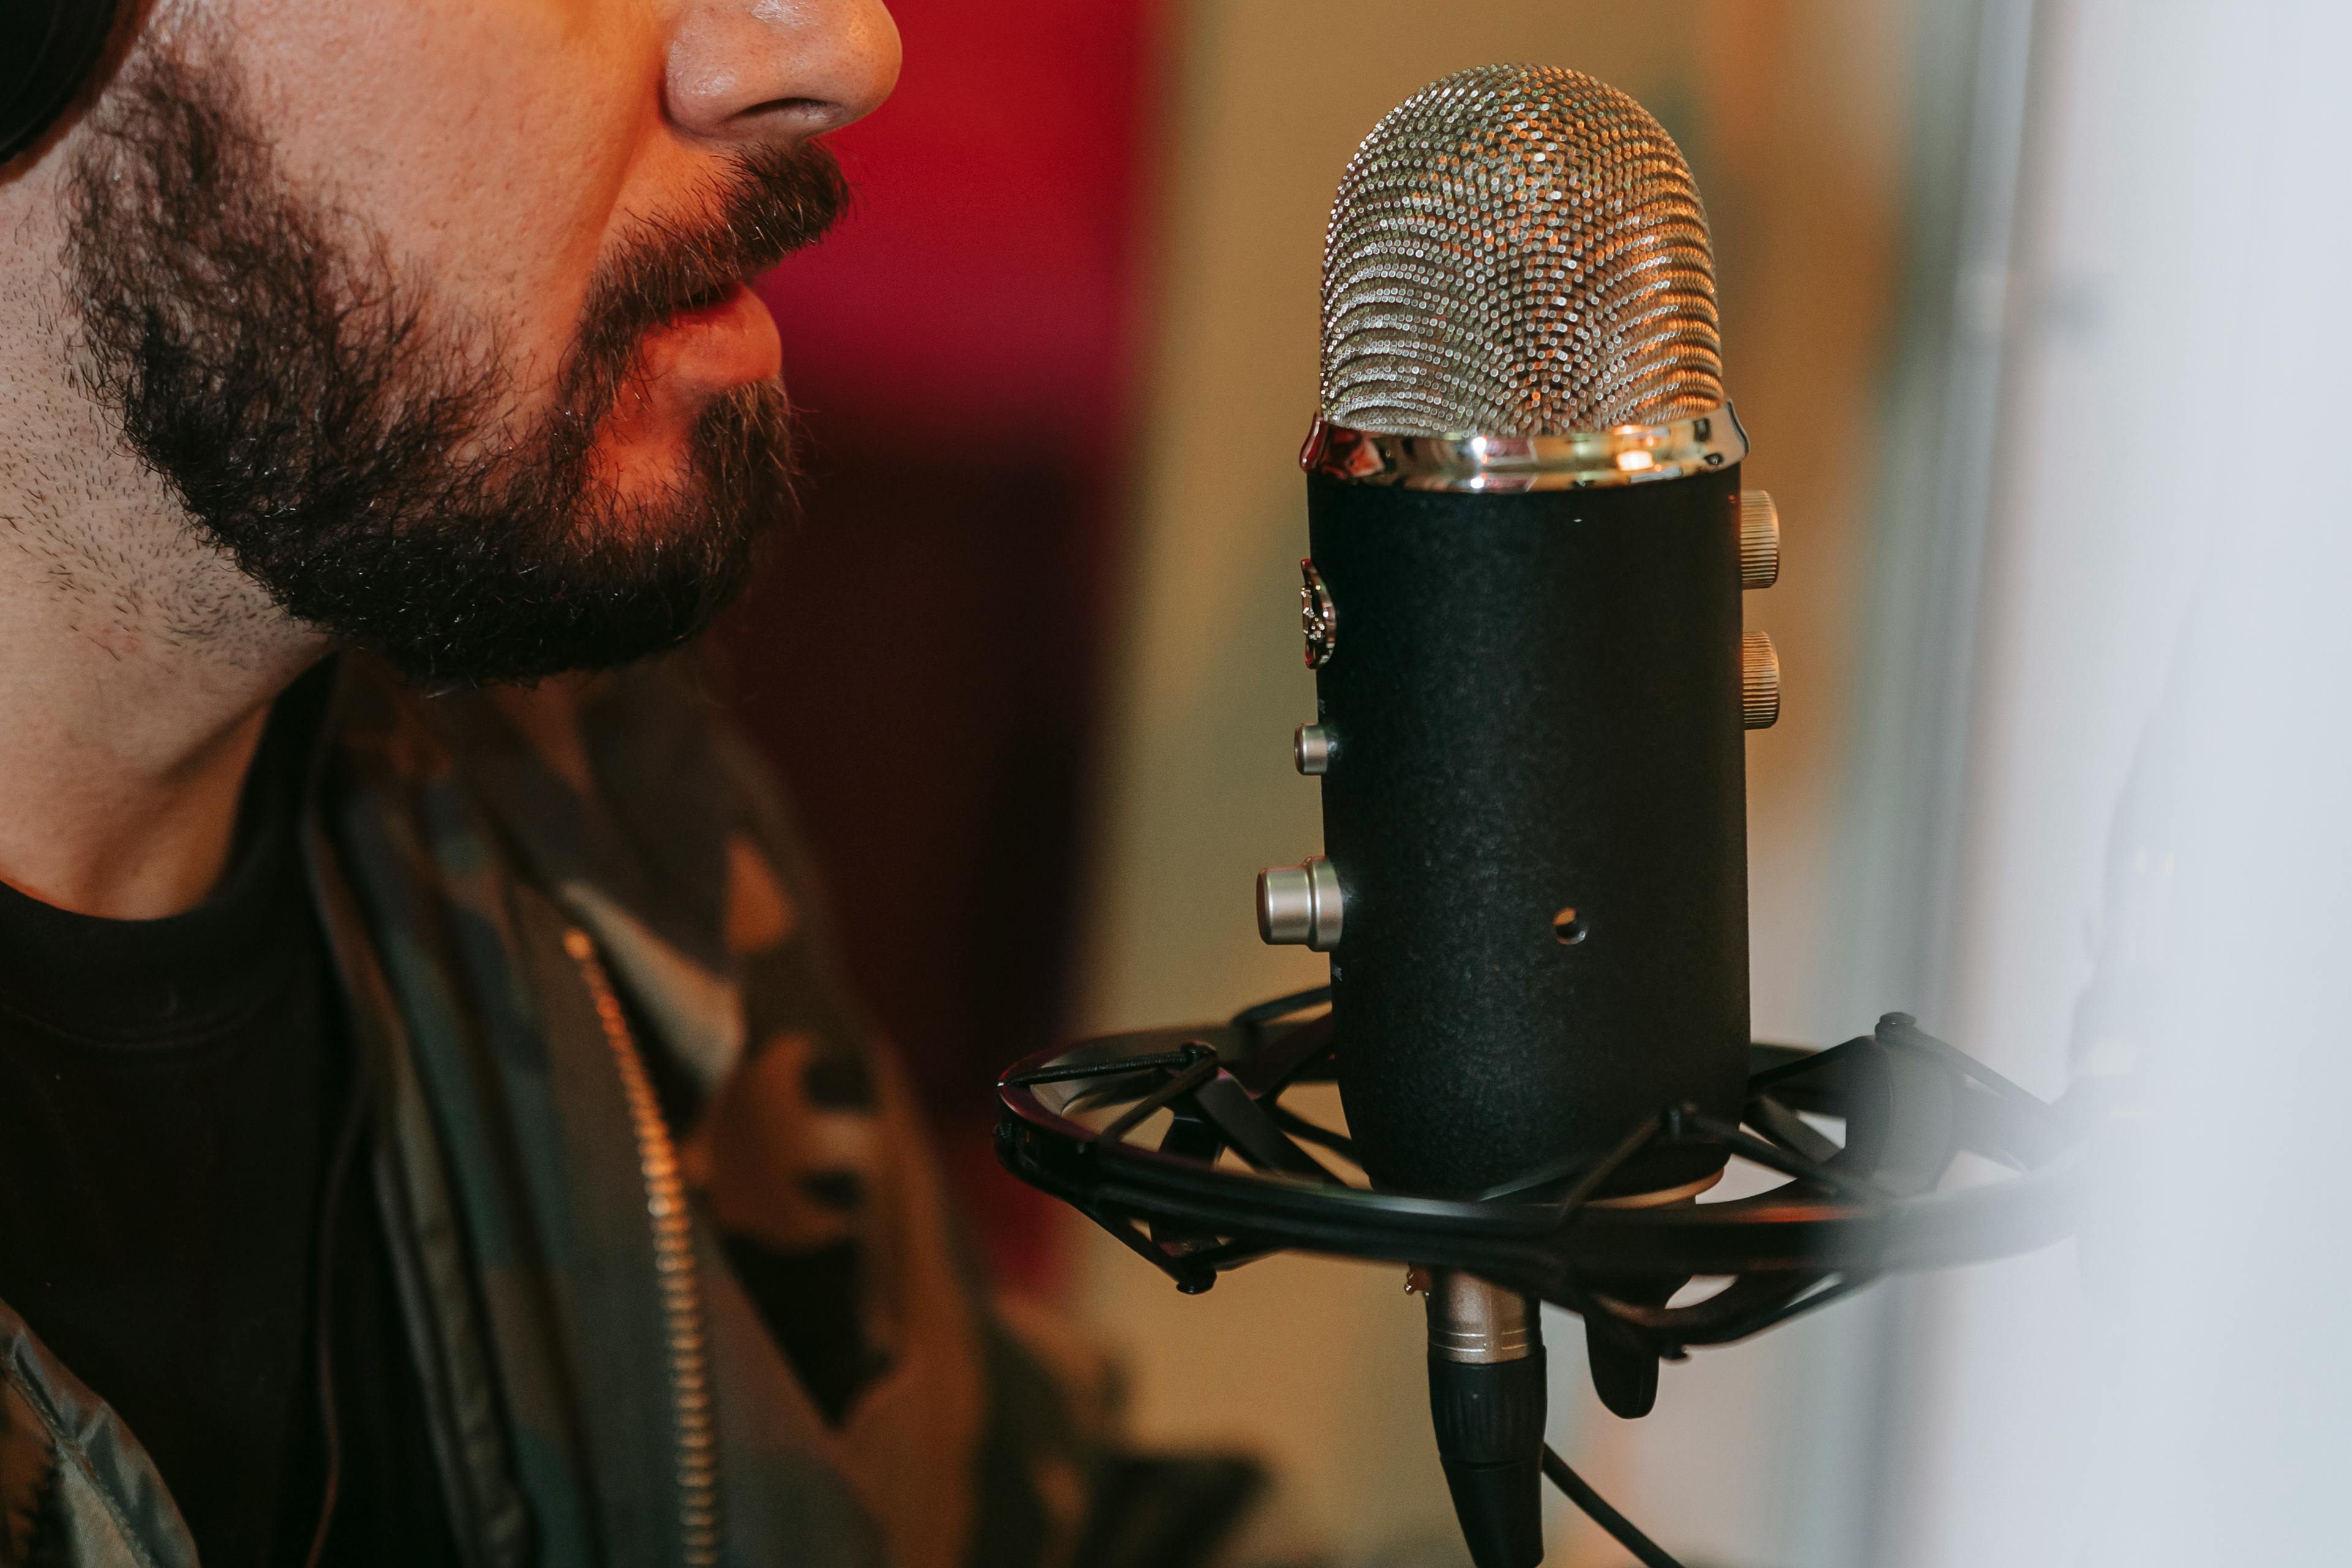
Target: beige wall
1792 113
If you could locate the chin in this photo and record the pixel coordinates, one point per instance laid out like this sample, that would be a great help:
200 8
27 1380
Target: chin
640 467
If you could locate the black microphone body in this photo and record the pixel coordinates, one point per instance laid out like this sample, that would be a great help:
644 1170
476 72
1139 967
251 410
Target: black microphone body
1533 691
1535 804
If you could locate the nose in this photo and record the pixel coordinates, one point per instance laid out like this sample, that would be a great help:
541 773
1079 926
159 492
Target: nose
777 71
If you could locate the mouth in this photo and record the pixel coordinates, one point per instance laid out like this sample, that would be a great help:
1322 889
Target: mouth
717 339
703 298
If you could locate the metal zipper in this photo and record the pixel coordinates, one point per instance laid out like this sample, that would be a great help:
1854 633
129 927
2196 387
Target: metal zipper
681 1289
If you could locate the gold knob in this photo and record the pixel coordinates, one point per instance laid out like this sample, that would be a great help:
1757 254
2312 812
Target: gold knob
1760 681
1759 540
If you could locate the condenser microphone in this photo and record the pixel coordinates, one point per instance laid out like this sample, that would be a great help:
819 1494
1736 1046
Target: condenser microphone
1523 611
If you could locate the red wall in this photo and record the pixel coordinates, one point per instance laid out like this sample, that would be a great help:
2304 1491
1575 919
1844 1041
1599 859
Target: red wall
922 660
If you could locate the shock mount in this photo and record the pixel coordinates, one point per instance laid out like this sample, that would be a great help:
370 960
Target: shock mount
1178 1143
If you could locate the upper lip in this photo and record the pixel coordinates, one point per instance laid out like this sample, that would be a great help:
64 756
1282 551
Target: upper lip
704 298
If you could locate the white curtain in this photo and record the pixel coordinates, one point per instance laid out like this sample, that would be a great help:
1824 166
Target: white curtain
2150 886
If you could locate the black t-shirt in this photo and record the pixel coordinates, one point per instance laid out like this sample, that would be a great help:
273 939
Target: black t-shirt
178 1135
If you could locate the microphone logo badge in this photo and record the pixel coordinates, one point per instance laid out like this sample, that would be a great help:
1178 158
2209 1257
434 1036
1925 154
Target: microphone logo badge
1317 617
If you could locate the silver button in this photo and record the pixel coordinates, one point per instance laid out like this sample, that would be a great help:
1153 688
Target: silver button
1311 747
1298 906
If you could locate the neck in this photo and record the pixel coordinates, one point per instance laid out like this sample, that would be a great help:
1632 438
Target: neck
122 777
137 663
125 732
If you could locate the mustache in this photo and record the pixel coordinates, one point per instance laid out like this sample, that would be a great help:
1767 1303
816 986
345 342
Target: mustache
770 202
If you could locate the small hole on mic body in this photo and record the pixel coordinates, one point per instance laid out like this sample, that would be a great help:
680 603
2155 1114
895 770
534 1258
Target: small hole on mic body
1568 926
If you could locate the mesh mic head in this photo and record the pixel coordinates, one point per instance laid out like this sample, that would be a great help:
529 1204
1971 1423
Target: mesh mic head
1517 251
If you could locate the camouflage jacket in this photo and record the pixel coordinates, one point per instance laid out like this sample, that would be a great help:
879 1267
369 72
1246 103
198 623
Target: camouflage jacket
538 904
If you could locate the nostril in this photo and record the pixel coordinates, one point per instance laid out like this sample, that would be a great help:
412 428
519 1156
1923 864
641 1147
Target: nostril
794 105
815 112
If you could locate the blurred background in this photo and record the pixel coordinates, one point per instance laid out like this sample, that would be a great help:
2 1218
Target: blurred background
1031 666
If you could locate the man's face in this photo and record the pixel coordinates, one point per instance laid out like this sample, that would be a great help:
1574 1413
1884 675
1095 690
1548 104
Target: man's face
435 313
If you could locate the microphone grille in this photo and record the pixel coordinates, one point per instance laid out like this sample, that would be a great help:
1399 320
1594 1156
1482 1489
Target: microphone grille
1517 251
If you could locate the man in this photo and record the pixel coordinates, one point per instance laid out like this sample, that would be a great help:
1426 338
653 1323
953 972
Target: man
429 1130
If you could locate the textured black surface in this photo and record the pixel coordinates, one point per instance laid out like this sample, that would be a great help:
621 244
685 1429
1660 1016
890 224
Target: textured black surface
1489 1421
1535 702
1489 1413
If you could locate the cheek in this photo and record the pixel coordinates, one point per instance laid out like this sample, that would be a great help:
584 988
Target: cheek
489 145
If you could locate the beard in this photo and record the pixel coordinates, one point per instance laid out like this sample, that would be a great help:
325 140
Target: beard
355 450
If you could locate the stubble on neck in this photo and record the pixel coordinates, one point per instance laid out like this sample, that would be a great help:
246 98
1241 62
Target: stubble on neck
137 662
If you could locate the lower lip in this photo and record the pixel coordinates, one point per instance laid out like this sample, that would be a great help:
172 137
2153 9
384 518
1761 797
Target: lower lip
716 347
